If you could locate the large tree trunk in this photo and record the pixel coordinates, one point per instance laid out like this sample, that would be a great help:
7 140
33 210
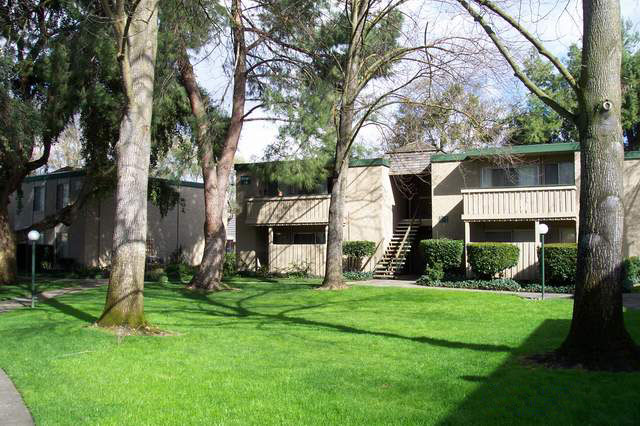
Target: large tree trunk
598 338
216 174
124 303
333 278
7 247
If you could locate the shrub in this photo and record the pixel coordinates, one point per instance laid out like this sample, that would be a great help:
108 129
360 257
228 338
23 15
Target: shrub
560 262
433 273
180 271
229 267
630 272
489 259
355 251
298 270
358 248
357 276
503 284
448 253
154 274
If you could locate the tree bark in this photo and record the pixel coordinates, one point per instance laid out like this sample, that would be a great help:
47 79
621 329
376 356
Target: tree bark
333 278
216 173
598 338
124 303
8 263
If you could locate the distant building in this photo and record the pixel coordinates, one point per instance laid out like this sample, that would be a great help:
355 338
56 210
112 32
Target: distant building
88 240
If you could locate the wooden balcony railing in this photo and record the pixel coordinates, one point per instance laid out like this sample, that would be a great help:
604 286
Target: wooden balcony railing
539 202
298 210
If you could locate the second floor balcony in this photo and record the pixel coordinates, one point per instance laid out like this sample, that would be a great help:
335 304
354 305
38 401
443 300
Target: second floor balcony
513 203
294 210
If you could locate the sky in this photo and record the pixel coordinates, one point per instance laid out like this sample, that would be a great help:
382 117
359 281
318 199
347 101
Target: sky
556 22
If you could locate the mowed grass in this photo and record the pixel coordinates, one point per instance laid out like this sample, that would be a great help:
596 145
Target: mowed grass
278 352
22 289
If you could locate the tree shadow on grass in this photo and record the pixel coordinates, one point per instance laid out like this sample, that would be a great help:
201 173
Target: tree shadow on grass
521 393
239 309
70 310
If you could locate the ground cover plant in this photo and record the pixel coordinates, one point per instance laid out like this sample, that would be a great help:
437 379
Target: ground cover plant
278 352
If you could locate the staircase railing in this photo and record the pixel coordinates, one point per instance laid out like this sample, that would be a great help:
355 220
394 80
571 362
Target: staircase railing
404 240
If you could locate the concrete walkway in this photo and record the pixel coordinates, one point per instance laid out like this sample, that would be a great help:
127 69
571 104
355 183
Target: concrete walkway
82 285
13 412
629 300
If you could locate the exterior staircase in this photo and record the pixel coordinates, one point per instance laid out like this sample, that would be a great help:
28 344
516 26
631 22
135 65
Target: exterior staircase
395 257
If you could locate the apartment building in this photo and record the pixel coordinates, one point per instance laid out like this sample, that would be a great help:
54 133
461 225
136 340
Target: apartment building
493 194
88 240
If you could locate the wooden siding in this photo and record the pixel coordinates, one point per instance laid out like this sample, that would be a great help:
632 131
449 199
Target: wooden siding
285 257
311 209
527 267
409 163
520 203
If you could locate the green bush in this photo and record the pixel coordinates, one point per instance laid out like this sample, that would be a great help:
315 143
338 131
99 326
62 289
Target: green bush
229 267
433 273
448 253
358 249
180 271
630 272
355 251
154 274
489 259
560 262
357 276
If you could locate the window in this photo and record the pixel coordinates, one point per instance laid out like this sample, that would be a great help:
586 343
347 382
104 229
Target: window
510 176
559 173
38 198
304 238
62 196
279 189
497 236
281 237
288 236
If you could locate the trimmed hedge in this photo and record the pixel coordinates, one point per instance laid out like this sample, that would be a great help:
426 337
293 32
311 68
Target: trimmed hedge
504 284
489 259
560 262
358 249
448 253
355 251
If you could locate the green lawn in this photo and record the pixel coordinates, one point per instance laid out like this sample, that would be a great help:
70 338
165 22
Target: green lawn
23 288
279 353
